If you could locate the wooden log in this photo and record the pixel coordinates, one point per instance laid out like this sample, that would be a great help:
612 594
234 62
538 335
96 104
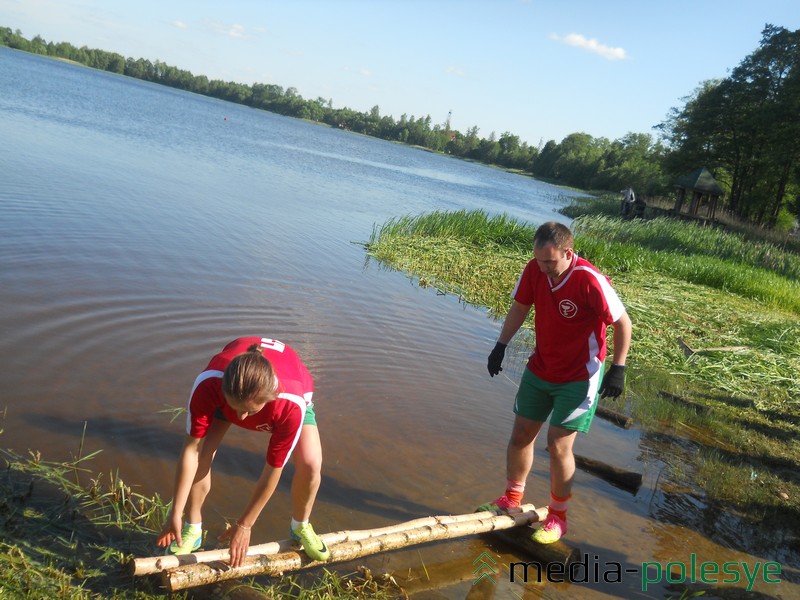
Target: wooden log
630 481
157 564
401 537
698 408
621 478
617 418
688 352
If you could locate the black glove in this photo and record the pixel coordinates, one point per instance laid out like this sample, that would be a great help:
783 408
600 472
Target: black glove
613 382
496 359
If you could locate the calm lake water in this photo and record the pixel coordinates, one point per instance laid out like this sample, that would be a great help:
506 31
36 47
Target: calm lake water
145 227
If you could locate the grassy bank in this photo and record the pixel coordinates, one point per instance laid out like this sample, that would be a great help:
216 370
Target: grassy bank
68 533
689 290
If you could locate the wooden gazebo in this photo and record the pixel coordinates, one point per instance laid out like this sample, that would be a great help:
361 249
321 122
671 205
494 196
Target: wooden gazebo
702 190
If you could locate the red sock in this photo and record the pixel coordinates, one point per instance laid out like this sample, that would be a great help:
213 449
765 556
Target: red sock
515 490
561 514
558 506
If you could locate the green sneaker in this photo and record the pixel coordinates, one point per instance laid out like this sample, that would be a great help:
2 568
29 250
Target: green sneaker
192 536
551 530
312 545
502 503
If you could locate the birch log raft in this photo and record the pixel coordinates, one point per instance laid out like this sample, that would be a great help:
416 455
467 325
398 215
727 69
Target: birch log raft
157 564
348 548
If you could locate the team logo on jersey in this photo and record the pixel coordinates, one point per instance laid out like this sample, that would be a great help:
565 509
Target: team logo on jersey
264 427
567 308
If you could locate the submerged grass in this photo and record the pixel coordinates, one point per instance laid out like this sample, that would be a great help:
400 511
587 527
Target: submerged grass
706 287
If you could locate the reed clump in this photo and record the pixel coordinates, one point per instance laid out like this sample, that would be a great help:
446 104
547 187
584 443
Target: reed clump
734 302
440 248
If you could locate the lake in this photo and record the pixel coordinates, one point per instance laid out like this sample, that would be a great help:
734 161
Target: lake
145 227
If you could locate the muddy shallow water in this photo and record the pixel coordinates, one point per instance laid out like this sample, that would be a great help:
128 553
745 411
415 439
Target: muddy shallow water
143 228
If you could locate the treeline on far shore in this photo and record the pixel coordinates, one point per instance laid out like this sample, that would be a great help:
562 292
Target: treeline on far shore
745 146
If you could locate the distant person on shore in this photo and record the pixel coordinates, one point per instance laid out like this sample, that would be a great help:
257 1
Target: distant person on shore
574 303
628 199
259 384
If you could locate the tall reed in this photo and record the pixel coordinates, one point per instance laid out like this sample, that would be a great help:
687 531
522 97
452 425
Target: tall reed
691 239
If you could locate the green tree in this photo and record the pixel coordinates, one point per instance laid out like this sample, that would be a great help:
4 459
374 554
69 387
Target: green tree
745 129
634 161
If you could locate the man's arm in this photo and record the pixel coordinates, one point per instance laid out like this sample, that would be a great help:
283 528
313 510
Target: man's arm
623 329
514 319
614 379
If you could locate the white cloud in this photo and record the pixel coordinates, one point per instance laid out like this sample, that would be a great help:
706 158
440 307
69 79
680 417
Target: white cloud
591 45
455 71
234 31
180 25
365 72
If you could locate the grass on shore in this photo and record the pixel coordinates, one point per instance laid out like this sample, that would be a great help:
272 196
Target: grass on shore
709 288
66 533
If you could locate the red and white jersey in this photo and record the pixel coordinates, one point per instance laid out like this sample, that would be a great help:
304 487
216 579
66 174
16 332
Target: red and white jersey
282 417
570 319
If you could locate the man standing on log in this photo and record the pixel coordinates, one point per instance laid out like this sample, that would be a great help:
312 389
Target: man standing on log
259 384
573 303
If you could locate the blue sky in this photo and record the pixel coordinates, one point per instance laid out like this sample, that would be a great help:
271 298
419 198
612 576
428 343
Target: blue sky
540 69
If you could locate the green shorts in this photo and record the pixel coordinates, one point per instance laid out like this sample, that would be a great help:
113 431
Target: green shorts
309 419
572 404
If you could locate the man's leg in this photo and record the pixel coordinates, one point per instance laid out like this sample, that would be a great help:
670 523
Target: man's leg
574 409
562 460
519 460
532 406
562 472
519 456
